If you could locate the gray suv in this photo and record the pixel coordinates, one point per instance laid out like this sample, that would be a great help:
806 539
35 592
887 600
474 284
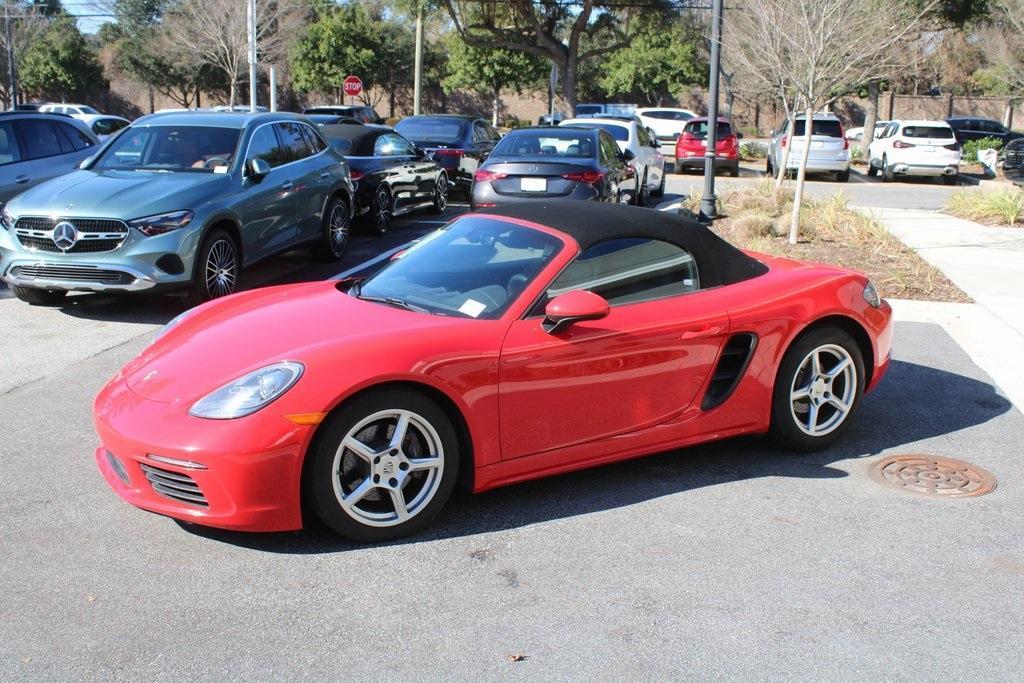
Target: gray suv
35 147
179 201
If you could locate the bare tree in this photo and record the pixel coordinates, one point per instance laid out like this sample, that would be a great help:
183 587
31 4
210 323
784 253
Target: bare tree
26 25
215 32
1006 45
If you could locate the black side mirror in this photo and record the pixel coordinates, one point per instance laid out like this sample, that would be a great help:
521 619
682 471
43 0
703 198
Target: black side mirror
739 135
257 169
627 155
418 152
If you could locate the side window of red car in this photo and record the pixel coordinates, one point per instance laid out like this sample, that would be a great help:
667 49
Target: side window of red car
627 270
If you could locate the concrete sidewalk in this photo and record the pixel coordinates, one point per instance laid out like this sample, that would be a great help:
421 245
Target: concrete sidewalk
988 264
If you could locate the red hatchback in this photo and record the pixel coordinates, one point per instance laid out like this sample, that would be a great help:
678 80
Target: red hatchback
691 145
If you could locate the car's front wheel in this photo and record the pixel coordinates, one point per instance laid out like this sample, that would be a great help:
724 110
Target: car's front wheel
217 269
439 201
817 390
337 230
40 297
383 466
660 192
382 209
640 198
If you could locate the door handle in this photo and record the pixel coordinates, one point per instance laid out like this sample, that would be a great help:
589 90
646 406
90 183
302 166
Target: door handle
709 331
325 174
22 179
287 185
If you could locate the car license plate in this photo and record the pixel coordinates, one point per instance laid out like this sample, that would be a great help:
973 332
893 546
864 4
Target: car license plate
927 149
817 145
533 184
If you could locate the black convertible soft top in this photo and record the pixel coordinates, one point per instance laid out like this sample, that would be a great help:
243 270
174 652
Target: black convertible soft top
360 137
589 223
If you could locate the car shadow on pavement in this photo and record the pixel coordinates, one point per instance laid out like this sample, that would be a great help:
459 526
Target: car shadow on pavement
914 403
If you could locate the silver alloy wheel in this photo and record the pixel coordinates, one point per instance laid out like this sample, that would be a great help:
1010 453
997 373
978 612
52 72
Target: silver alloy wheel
441 193
388 468
382 208
339 228
823 390
221 269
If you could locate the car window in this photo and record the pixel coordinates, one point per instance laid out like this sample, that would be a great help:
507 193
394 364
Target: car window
86 109
314 142
108 126
643 137
616 131
480 133
293 143
77 138
558 142
931 132
825 127
588 109
208 149
669 115
628 270
264 145
699 129
391 145
40 138
889 130
9 152
609 149
432 131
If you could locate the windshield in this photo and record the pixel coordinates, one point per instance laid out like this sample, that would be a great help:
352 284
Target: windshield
444 131
617 132
932 132
475 268
560 143
699 129
172 148
587 109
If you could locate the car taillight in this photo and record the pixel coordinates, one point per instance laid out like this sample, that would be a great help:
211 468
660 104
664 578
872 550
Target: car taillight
356 175
456 153
899 144
483 175
587 177
785 141
730 140
955 146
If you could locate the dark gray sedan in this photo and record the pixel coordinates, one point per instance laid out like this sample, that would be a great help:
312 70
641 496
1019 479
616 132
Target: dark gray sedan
546 163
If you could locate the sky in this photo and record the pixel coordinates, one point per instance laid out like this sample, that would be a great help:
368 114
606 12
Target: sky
88 23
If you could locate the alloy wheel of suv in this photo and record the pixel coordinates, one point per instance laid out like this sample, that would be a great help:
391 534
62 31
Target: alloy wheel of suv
217 269
382 210
337 230
441 193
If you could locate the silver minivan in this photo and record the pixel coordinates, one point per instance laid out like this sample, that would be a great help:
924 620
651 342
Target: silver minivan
35 147
829 153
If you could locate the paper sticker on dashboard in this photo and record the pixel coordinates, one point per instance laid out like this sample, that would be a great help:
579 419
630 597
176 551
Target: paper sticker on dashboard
472 308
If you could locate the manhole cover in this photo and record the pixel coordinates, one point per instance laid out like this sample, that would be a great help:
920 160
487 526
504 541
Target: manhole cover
933 476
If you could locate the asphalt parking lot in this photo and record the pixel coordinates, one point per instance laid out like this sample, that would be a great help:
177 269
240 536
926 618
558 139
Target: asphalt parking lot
731 560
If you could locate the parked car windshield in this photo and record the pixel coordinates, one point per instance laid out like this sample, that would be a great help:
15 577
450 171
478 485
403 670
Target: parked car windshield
935 132
563 142
441 131
588 109
827 127
172 148
617 132
699 129
475 268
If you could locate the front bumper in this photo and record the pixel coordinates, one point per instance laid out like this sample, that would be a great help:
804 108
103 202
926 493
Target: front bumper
245 474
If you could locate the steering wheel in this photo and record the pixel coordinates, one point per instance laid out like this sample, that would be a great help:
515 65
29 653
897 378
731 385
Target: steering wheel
223 161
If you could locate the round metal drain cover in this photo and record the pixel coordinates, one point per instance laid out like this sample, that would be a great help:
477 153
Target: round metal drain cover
934 476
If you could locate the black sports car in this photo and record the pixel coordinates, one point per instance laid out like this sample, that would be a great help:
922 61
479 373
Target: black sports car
392 176
1013 161
459 143
360 112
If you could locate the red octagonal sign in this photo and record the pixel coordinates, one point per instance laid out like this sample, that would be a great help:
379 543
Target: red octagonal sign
353 85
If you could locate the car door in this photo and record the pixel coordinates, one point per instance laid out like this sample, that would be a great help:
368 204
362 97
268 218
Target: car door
619 177
16 173
269 210
654 160
51 154
641 365
396 156
311 178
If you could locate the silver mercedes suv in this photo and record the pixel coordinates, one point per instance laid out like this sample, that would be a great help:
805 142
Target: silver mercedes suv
179 201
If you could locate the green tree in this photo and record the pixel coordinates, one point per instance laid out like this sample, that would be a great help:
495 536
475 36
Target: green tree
491 71
657 65
341 43
60 64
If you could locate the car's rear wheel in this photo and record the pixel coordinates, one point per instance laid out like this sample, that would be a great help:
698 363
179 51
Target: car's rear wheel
383 466
440 198
949 179
337 231
769 168
40 297
842 176
217 269
640 197
660 192
734 170
382 210
872 169
888 174
817 390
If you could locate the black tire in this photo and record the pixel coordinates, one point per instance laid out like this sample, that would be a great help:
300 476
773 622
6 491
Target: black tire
40 297
796 369
382 210
949 179
660 192
887 172
336 232
217 269
734 170
640 196
842 176
872 169
439 201
326 459
769 168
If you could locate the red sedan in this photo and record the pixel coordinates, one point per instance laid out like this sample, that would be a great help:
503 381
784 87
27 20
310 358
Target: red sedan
508 345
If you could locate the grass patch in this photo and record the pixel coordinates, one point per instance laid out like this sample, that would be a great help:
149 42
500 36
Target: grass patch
993 207
757 218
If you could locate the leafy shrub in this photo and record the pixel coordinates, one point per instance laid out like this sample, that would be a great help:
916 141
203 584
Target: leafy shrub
856 155
972 147
752 150
995 207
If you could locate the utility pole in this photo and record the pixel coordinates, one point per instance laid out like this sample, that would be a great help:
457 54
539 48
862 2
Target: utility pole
273 88
12 73
251 6
708 199
417 91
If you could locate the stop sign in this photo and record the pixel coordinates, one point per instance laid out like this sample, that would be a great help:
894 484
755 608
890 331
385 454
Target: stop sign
353 85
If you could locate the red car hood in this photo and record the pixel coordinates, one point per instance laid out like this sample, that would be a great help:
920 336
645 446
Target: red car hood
229 337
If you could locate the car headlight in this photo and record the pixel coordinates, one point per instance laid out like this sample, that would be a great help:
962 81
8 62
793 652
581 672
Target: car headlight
162 222
248 393
871 295
6 218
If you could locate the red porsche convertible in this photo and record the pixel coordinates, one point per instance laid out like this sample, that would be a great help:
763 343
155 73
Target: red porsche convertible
509 345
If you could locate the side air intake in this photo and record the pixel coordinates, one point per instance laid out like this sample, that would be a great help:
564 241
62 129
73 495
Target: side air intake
733 363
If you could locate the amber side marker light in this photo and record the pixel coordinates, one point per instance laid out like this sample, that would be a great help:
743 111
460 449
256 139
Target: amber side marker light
306 418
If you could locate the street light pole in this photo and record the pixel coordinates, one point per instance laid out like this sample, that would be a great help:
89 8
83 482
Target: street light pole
251 6
12 74
708 199
418 68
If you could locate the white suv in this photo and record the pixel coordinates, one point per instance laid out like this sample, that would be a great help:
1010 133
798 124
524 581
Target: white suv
667 124
915 148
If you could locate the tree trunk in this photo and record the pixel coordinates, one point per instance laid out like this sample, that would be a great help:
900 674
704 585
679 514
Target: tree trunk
569 85
780 172
232 94
870 118
391 103
801 177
